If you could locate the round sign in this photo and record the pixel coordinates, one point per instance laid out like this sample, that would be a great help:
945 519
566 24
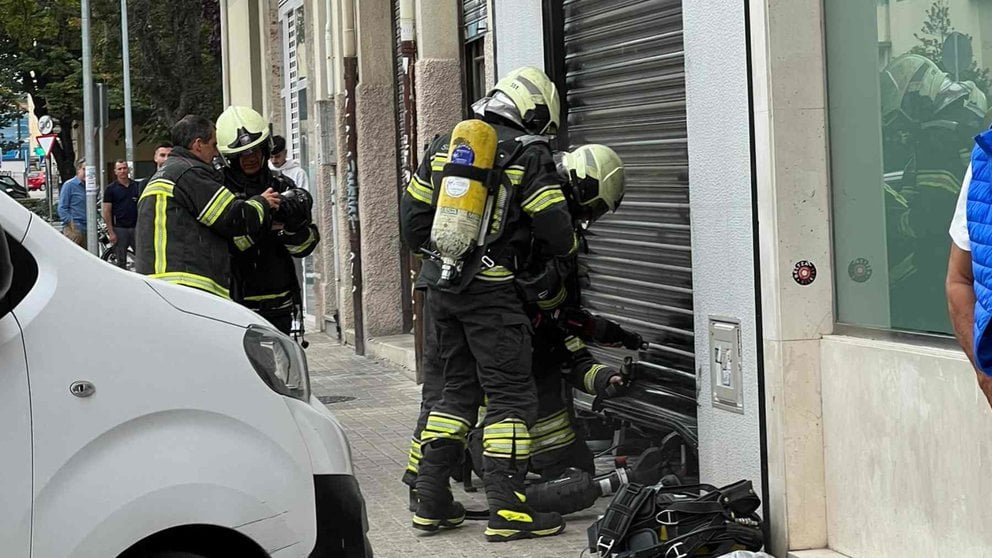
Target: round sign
859 270
46 124
804 273
455 186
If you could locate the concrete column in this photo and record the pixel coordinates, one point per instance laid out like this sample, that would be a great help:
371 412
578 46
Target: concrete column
273 66
343 283
490 46
793 213
438 69
377 169
520 24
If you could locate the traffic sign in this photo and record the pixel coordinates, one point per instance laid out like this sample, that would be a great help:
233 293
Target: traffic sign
45 142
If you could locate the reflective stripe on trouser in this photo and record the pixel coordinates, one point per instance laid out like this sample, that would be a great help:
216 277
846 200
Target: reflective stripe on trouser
507 439
551 433
441 426
414 457
484 341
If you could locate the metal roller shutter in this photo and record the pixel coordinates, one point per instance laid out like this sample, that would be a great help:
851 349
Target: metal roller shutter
474 18
625 81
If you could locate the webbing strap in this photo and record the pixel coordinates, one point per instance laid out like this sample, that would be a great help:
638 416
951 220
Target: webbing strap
619 515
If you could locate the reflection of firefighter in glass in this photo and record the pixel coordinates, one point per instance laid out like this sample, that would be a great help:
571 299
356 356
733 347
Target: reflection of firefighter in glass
928 122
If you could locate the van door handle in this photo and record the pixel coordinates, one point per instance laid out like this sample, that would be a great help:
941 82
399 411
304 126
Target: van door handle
82 388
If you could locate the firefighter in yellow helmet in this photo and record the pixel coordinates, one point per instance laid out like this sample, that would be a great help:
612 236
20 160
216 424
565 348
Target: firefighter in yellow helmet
480 330
186 216
264 275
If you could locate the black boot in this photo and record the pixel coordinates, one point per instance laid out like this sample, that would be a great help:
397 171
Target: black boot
410 480
436 507
510 518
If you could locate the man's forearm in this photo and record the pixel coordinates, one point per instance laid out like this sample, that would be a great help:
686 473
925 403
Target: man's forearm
960 292
961 307
108 219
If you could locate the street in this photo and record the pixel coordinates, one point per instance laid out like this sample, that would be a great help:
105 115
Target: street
377 404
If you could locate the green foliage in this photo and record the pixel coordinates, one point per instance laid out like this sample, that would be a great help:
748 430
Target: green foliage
935 30
175 62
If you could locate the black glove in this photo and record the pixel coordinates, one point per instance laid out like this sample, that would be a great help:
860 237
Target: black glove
295 210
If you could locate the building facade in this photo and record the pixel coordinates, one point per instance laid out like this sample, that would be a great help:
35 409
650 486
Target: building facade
792 170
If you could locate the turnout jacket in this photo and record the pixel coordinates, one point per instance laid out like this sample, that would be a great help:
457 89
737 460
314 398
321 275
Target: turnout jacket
186 217
263 273
530 208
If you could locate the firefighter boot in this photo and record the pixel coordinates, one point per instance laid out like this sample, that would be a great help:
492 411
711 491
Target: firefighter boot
436 507
410 480
510 518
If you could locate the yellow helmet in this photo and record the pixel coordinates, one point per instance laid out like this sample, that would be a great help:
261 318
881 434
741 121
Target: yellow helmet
240 129
595 176
534 98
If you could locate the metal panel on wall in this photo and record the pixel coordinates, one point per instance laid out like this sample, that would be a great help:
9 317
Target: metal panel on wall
625 87
474 18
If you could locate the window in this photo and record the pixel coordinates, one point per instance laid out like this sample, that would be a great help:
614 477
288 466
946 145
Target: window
475 73
908 83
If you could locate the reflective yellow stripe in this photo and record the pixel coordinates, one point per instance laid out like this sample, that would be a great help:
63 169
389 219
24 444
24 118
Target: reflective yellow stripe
506 439
574 344
554 302
420 191
195 281
550 424
157 187
268 296
552 198
511 515
511 532
222 198
515 174
243 242
498 271
258 209
300 248
553 441
161 236
482 277
589 380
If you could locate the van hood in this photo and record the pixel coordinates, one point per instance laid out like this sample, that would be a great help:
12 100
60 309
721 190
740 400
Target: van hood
204 305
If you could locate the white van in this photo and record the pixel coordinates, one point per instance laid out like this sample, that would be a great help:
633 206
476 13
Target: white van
142 419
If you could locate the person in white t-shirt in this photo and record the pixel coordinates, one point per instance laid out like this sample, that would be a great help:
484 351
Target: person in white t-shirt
288 167
960 285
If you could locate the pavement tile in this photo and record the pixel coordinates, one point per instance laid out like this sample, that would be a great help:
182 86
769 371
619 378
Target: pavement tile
379 417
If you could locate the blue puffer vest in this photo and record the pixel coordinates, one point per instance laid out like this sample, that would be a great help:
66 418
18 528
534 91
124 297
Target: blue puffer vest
980 233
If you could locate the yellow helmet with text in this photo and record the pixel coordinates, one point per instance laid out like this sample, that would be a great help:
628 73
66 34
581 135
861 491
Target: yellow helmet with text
526 96
241 129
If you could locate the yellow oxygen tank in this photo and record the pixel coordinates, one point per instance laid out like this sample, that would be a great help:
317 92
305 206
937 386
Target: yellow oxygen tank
463 203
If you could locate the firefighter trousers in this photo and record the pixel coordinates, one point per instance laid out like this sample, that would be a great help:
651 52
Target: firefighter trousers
484 342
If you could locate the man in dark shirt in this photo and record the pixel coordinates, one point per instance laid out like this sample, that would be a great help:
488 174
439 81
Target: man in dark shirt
120 211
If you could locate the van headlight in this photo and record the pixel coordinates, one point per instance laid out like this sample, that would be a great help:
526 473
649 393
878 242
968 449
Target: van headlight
279 361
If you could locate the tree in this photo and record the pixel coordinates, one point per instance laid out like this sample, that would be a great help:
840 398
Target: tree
932 38
175 62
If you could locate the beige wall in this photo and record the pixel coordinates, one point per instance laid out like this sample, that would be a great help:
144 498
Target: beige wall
908 440
793 214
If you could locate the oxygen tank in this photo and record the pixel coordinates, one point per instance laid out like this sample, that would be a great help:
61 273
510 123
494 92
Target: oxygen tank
463 204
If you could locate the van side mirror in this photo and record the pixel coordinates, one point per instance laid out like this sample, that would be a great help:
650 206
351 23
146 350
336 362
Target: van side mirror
6 267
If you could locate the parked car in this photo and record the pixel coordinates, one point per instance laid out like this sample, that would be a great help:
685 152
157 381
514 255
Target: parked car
36 180
144 419
12 187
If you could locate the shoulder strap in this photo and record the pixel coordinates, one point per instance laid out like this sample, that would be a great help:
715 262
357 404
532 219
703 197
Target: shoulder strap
613 526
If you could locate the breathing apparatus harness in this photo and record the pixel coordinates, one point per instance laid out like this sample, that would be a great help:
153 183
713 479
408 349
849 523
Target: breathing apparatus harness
483 257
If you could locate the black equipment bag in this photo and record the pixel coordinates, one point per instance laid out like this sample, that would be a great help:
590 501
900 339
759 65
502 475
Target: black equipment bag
678 522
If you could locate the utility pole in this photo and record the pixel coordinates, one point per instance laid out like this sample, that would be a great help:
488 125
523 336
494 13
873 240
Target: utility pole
88 137
125 54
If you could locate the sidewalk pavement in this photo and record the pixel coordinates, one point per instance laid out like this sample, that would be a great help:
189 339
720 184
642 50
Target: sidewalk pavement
378 404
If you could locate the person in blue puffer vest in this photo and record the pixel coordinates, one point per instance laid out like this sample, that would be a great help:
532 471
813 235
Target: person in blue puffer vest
969 269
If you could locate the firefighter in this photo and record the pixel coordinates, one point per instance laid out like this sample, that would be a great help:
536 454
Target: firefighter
481 332
186 216
594 178
264 275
